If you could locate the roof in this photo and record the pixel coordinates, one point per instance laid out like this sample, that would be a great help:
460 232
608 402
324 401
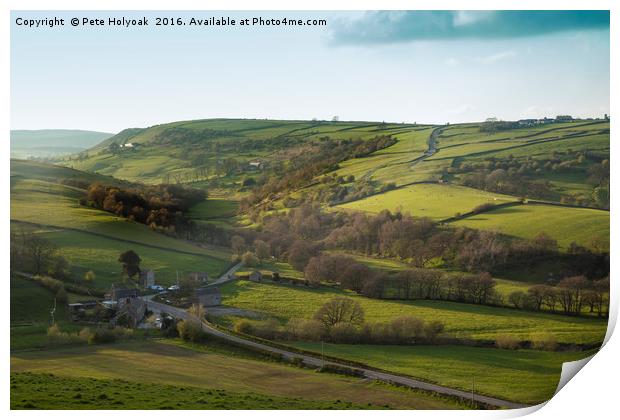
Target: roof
207 291
121 293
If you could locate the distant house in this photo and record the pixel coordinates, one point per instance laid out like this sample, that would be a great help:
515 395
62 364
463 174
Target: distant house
208 296
256 165
256 276
200 276
564 118
147 278
529 122
127 146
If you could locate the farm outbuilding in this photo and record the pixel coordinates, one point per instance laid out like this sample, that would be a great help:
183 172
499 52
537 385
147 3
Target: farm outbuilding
208 296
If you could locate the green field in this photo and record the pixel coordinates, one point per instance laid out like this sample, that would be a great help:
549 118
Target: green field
461 320
169 367
526 376
30 314
51 392
564 224
436 201
89 252
213 209
92 239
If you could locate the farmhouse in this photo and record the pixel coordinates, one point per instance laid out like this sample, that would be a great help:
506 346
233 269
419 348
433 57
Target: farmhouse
256 165
529 122
117 295
208 296
127 146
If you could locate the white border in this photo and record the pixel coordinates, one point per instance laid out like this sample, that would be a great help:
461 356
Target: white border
592 394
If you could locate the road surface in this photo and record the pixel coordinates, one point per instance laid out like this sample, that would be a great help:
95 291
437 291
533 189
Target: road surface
317 362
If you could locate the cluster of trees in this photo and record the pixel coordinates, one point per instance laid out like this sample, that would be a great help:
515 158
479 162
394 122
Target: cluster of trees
493 125
339 189
506 182
302 236
341 320
86 335
517 176
35 255
320 156
303 232
571 296
156 206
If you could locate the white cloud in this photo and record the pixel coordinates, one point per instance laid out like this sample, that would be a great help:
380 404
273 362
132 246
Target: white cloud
494 58
451 61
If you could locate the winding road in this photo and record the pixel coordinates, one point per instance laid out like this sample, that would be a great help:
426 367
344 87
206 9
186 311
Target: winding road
314 361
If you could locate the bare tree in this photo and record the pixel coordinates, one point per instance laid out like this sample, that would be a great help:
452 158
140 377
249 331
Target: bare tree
340 309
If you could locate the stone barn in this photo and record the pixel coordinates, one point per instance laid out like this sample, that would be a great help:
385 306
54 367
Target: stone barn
208 296
256 276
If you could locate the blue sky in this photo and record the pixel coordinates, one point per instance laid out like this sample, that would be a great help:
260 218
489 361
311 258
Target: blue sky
428 67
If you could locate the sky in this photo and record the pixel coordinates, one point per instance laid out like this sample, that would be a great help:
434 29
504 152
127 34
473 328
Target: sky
415 66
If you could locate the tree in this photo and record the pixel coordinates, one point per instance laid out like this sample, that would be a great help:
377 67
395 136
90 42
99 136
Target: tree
130 262
89 277
237 244
40 250
249 259
299 254
518 299
340 309
570 295
262 250
538 295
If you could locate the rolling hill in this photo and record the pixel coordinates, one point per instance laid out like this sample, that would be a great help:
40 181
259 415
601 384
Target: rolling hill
52 143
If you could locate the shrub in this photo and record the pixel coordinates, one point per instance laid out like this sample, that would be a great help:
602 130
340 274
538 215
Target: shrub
108 335
506 342
244 326
406 329
302 329
249 259
268 329
432 330
190 331
56 337
545 342
343 332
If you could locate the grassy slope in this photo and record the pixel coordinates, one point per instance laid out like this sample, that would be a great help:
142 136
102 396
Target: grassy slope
30 313
51 392
461 320
37 198
564 224
436 201
526 376
149 162
152 363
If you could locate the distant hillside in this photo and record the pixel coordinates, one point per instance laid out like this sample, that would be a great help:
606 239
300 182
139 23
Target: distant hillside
49 143
222 151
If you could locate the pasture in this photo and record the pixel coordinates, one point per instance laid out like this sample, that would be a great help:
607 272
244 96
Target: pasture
86 251
461 320
203 369
564 224
526 376
436 201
